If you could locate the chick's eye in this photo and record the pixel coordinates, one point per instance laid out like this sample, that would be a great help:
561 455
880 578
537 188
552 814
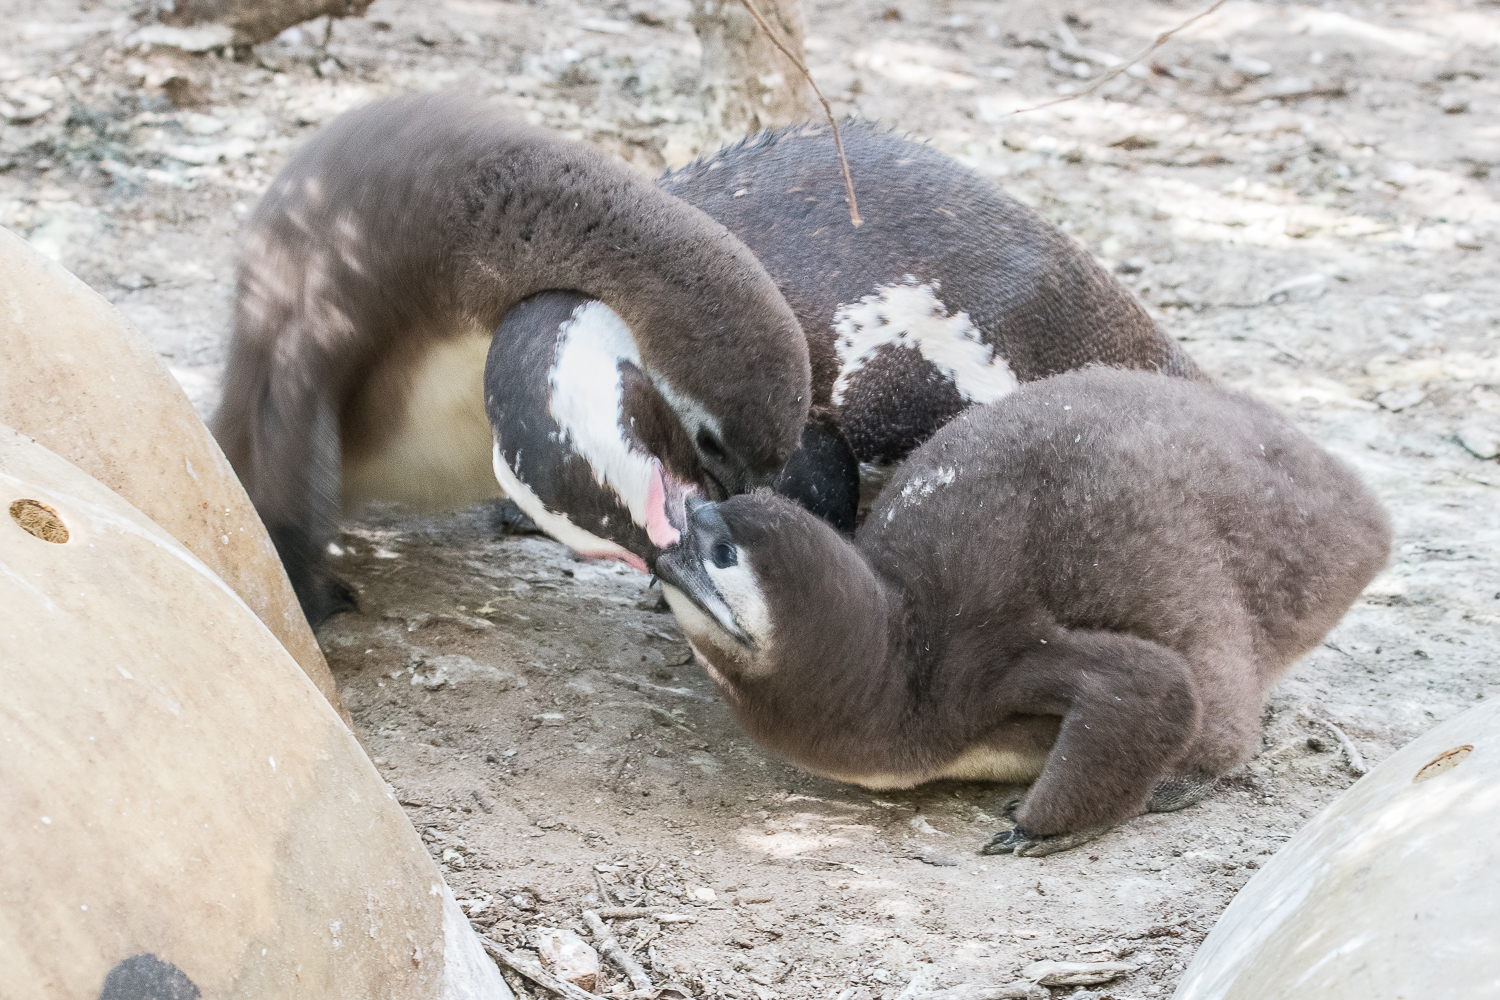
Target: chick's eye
724 555
710 445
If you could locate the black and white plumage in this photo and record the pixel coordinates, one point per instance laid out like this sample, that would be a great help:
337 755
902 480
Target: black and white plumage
951 294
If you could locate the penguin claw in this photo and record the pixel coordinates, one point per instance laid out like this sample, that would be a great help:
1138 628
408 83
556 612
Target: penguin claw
1024 844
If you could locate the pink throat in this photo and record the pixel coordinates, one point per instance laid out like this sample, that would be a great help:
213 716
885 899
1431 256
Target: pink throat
666 511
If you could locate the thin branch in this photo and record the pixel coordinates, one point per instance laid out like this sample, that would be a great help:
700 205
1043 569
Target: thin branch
1098 82
854 218
533 971
1351 752
609 947
630 912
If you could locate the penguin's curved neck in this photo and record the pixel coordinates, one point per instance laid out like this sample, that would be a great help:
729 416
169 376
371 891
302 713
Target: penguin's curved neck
533 216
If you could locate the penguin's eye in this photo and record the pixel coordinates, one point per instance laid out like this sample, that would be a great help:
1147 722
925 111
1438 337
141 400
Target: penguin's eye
724 555
710 445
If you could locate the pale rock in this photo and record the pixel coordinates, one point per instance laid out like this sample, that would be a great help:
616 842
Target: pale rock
1401 398
1304 288
203 38
1249 66
1481 438
1075 973
24 109
570 957
199 124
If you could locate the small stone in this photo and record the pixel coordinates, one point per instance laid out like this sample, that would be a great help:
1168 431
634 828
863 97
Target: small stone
1299 229
1480 438
1466 239
135 281
1075 973
1402 398
24 110
1316 745
450 856
702 894
1249 66
571 958
1453 104
1134 142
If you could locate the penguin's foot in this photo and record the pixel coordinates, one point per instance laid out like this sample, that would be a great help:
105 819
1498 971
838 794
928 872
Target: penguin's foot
326 596
1179 792
1024 844
509 519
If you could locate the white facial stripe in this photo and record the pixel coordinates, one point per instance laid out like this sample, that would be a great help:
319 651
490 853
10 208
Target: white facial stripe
557 525
689 410
586 397
700 627
911 315
742 593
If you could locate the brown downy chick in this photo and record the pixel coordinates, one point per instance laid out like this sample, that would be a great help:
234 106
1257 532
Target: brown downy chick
1090 584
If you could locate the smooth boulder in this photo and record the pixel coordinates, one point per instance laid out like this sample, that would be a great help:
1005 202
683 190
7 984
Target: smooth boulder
182 812
1388 893
79 379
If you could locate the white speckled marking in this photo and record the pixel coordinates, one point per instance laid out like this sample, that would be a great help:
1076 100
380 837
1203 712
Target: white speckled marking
911 315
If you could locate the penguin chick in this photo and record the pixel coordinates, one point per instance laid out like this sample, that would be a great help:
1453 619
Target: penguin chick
1089 585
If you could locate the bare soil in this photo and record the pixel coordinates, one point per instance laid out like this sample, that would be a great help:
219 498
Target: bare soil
1301 193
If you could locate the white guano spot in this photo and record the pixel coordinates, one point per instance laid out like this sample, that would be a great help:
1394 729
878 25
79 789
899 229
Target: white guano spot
911 315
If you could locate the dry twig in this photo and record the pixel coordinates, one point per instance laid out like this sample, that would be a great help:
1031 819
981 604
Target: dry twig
533 971
1351 752
629 912
1100 81
610 948
854 218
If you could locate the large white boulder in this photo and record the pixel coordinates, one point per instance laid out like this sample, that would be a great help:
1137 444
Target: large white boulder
83 382
182 813
1391 893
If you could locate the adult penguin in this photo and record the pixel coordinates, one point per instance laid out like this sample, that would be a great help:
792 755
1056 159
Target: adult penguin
381 261
950 294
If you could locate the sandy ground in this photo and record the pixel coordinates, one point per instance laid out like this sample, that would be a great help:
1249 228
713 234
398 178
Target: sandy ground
1301 193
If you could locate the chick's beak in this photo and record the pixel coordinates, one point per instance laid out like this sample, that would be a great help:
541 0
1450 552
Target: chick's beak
681 568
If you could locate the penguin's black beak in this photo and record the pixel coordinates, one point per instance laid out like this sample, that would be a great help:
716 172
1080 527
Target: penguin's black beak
683 569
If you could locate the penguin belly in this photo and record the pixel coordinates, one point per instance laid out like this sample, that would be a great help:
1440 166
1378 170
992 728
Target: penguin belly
978 764
432 448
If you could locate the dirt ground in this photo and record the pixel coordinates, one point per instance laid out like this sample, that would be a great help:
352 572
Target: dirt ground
1303 194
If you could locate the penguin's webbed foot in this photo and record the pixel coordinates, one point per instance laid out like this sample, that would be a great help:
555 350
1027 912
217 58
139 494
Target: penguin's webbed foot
509 519
1024 844
326 595
1179 792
